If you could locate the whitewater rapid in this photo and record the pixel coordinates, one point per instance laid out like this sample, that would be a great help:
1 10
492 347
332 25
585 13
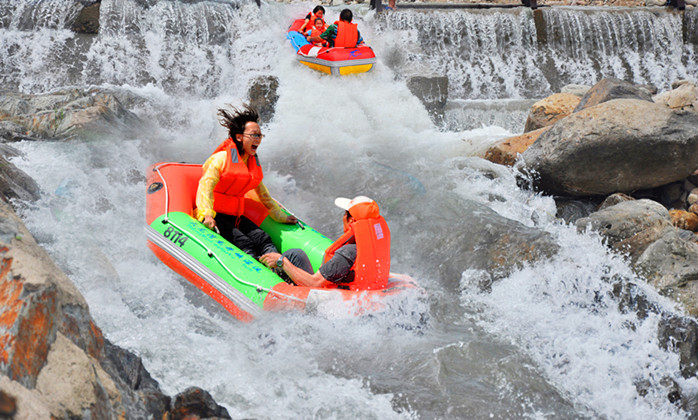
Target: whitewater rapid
548 341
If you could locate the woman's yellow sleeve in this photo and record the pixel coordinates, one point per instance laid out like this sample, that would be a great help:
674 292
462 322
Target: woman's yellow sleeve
276 212
204 193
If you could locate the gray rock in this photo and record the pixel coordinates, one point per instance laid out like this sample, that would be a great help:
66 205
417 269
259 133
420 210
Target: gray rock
680 334
263 96
432 91
87 21
11 131
614 199
195 401
621 145
16 184
571 210
670 264
489 243
611 88
9 230
64 114
577 90
629 226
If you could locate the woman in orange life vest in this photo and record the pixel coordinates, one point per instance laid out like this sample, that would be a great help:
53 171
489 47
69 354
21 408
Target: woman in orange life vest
232 170
318 29
358 260
318 12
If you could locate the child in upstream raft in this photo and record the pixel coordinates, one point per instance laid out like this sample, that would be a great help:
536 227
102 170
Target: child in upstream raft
318 12
315 33
231 171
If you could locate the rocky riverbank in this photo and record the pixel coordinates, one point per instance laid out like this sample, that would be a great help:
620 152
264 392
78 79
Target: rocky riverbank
55 362
629 156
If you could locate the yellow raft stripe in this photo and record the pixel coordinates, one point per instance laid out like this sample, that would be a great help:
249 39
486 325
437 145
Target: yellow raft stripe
344 70
355 69
318 67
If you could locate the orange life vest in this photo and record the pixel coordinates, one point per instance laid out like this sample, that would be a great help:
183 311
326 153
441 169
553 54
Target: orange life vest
347 34
237 178
372 236
311 22
317 32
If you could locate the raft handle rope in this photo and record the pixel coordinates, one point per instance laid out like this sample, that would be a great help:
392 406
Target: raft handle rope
212 254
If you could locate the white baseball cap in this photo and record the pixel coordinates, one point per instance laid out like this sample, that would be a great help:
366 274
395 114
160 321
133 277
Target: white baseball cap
346 203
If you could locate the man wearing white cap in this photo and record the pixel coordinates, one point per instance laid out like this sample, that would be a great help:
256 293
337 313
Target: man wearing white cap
358 260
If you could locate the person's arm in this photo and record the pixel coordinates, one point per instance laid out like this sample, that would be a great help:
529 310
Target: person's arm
307 19
327 35
359 41
204 192
299 276
275 211
331 272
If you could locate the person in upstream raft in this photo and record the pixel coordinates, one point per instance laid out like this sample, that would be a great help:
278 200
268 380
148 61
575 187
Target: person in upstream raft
318 12
358 260
342 33
228 174
317 30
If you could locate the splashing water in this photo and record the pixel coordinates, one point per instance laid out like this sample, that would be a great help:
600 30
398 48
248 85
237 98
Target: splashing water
547 341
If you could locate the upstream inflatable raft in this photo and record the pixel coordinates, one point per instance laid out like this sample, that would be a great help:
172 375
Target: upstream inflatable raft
244 286
337 61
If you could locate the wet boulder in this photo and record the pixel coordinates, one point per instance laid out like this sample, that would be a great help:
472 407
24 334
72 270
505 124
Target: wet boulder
614 199
670 264
66 114
549 110
611 88
665 256
488 243
87 21
680 334
505 152
620 145
683 97
629 226
15 183
194 402
432 91
683 219
263 96
577 90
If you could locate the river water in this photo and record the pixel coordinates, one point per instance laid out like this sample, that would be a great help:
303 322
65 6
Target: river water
547 341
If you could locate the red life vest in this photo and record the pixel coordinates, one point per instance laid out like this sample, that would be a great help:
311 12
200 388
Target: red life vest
237 178
347 34
317 32
311 21
372 236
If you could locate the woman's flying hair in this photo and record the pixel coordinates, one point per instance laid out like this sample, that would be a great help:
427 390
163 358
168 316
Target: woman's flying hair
235 120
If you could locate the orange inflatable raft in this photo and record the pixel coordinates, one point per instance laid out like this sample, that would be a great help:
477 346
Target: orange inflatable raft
244 286
336 61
